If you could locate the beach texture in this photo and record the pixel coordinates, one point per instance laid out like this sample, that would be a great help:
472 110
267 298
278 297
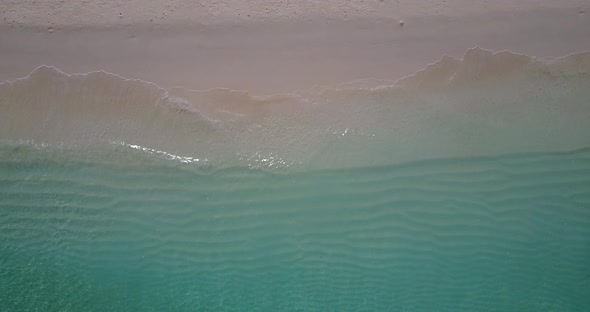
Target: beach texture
294 156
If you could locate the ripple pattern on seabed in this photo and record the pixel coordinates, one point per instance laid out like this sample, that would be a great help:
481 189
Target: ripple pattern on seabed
505 233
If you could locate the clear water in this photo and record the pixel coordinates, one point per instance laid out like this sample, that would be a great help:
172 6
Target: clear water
507 233
444 191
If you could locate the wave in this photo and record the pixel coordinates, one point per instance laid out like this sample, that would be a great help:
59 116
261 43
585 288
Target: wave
483 104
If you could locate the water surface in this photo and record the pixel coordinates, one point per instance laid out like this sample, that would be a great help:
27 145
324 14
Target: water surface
135 233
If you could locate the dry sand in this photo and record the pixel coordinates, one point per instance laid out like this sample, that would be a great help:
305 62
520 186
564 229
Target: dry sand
276 46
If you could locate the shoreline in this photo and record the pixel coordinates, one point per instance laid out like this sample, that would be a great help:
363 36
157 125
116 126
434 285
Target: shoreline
312 90
483 104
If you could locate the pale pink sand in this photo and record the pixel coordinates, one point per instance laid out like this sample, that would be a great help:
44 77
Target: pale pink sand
292 45
210 12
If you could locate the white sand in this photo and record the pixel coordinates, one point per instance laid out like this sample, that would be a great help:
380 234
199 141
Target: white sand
290 46
207 12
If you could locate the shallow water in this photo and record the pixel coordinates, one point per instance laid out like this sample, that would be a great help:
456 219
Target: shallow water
481 105
464 187
506 233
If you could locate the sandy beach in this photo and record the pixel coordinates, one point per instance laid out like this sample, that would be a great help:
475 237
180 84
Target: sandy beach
318 84
290 155
276 46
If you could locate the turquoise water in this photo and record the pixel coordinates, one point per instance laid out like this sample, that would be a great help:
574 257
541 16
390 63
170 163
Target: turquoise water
506 233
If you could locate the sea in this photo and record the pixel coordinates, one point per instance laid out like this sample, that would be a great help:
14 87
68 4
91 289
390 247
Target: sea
464 187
